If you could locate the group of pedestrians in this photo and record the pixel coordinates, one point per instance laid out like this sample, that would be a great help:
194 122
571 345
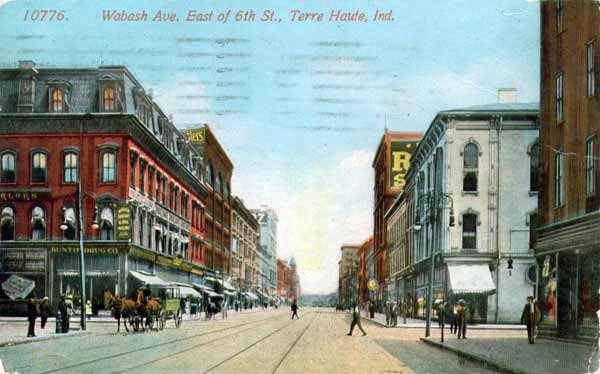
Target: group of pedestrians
33 311
392 312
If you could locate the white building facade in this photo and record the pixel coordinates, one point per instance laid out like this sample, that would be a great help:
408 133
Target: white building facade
485 159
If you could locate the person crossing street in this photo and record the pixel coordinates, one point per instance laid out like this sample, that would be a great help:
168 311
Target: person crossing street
356 321
295 309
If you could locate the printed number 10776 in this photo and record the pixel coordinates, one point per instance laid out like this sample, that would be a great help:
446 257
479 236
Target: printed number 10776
44 15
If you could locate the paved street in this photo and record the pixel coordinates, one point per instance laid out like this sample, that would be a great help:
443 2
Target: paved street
269 342
265 342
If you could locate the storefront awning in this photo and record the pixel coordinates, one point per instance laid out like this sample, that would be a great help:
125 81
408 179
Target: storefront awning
226 285
205 289
261 294
188 291
470 278
146 278
250 296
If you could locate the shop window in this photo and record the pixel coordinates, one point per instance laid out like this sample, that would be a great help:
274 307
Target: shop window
39 167
108 167
469 223
7 224
107 225
9 173
71 166
38 224
471 165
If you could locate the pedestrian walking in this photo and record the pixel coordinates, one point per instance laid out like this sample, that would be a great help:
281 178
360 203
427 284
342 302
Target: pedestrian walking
224 307
453 318
45 311
31 316
356 321
395 311
63 310
295 309
387 311
462 315
88 309
372 310
530 317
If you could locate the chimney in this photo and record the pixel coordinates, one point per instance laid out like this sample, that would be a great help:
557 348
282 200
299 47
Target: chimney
507 96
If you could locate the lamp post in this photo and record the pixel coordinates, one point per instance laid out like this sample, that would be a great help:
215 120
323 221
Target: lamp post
433 204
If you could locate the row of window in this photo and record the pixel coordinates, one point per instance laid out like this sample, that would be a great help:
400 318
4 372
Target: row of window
70 166
590 86
8 220
590 172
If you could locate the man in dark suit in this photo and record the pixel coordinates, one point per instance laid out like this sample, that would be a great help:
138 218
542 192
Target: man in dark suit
530 317
31 316
356 321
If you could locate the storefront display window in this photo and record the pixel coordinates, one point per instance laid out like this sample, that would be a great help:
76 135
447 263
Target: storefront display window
589 285
547 298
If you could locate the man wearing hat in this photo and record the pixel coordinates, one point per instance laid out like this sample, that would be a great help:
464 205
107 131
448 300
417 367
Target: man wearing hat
45 311
530 316
462 315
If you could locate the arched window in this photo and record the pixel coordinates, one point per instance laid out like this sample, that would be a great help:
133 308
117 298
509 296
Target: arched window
9 173
534 166
69 225
471 165
209 174
109 99
71 166
469 223
7 224
219 184
38 224
39 167
107 224
58 100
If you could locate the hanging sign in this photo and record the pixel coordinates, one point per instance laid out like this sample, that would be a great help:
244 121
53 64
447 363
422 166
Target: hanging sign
123 222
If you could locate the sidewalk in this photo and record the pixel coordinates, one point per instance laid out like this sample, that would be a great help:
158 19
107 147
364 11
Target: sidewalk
13 330
516 355
419 323
16 333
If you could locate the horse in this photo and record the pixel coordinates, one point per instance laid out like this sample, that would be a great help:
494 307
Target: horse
124 308
150 309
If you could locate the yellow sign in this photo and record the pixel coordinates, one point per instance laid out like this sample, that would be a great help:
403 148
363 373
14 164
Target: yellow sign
372 285
123 222
401 152
197 136
89 250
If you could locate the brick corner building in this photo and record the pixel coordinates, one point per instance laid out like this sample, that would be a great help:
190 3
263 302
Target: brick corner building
390 165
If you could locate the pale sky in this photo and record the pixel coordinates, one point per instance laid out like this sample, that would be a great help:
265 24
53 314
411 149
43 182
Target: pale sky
299 107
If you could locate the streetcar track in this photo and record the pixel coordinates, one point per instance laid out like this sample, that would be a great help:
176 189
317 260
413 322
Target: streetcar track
250 346
80 364
184 351
292 346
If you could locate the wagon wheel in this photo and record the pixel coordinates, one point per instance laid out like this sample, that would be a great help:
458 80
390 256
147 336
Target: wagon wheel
178 317
162 320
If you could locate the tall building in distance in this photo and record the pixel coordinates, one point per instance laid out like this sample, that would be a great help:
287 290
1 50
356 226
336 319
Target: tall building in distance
348 276
217 169
391 163
568 221
267 218
244 248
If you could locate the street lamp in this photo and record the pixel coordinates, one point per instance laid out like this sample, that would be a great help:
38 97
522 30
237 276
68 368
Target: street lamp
433 204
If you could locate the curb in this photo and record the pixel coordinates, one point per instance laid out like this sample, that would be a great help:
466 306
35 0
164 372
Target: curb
476 358
470 327
43 338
